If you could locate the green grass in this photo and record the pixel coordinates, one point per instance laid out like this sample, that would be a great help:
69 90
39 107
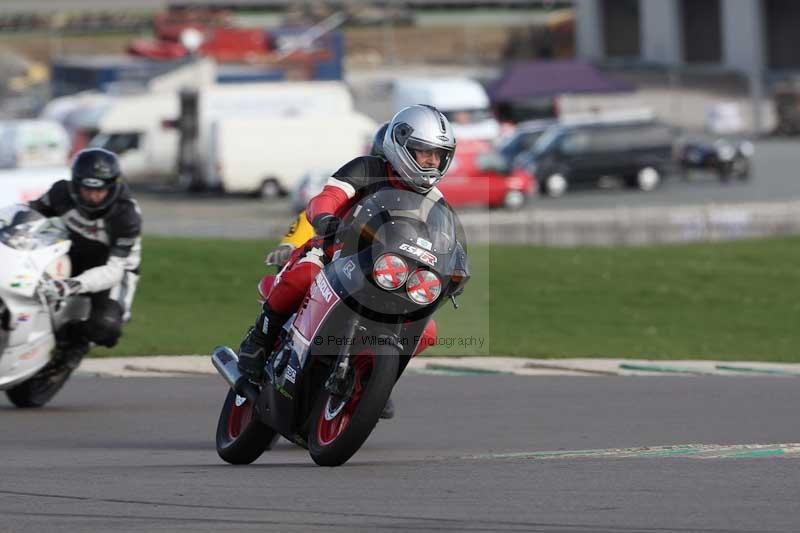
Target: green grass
738 300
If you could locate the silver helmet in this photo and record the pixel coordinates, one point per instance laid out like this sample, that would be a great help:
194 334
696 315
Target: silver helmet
419 128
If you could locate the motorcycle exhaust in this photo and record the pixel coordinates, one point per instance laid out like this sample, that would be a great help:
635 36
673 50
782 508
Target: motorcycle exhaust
225 361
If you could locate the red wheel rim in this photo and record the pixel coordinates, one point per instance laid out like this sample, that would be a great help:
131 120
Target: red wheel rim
329 429
239 417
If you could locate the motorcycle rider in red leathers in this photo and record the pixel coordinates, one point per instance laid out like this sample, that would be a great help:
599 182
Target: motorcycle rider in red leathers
418 148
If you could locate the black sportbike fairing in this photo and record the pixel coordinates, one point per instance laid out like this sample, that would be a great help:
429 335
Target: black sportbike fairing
347 311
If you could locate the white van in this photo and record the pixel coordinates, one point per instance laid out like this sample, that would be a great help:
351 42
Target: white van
136 126
462 100
33 143
269 156
133 127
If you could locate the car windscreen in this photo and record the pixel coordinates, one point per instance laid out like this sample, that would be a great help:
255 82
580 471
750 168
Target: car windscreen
523 141
546 141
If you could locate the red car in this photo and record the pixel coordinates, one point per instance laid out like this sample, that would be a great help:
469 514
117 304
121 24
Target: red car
479 175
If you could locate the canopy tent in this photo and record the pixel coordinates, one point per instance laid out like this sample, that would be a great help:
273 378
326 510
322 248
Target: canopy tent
531 86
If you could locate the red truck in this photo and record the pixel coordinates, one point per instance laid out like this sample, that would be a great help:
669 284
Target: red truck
221 39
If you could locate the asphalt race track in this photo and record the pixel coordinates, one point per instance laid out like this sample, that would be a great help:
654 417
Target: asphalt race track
465 453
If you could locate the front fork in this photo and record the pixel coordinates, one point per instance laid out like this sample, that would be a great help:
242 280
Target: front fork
342 380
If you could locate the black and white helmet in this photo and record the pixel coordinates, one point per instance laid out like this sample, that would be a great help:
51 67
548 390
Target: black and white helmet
95 168
419 127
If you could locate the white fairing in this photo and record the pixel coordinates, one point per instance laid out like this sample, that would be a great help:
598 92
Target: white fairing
27 338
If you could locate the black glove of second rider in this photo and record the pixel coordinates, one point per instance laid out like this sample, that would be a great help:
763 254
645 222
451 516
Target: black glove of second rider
326 225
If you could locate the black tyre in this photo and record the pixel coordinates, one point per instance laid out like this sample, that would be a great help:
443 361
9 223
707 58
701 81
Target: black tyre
270 188
38 390
241 437
725 173
514 200
339 428
741 168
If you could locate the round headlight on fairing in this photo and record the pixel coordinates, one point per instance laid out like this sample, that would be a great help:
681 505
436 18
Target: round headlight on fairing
423 287
390 272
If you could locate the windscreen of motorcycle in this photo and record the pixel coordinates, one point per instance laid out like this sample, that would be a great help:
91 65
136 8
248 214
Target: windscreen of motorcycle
392 214
23 228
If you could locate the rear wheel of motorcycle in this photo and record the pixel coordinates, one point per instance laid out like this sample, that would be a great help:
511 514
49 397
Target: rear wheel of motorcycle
37 391
241 437
339 428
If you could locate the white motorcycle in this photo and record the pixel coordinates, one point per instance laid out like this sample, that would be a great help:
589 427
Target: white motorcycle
33 249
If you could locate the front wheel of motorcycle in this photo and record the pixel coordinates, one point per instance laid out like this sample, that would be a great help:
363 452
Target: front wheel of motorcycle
340 426
38 390
241 436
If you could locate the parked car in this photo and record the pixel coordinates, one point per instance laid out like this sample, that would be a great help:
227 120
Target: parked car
522 139
639 153
726 159
479 175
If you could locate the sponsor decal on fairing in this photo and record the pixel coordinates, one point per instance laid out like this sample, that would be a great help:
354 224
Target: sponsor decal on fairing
324 288
423 255
348 269
428 245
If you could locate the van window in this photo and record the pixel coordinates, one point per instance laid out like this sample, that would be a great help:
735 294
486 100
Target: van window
547 141
628 137
575 143
613 139
654 135
521 142
119 143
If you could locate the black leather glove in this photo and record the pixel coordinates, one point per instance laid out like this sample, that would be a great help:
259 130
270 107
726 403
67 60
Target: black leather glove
326 224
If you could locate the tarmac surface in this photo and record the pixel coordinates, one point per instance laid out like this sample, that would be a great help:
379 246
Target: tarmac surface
464 453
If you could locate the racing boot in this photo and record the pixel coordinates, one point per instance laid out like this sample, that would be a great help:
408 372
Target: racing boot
67 356
258 343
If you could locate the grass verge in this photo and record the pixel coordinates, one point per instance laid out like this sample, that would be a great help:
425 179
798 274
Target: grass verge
729 301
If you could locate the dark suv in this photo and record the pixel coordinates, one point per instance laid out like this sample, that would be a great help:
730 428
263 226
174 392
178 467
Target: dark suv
639 153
